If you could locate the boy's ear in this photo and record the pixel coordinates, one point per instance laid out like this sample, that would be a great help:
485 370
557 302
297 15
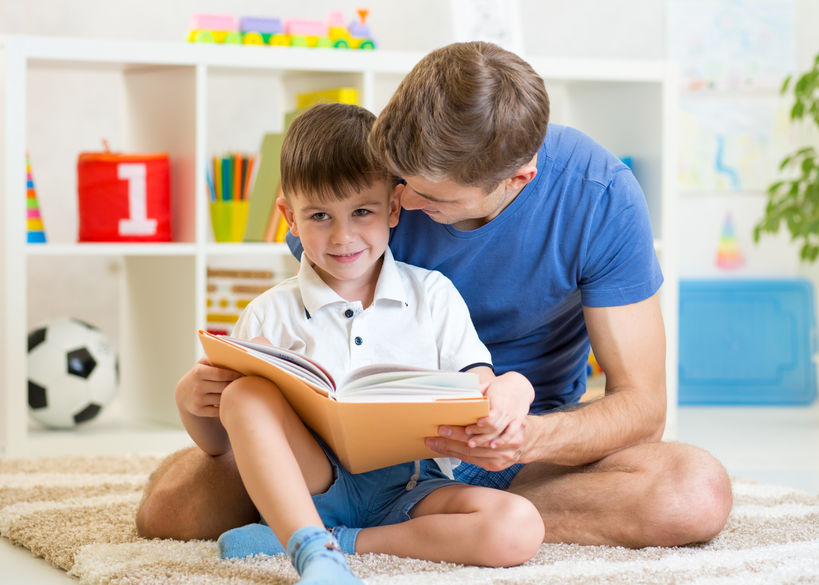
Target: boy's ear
395 204
288 214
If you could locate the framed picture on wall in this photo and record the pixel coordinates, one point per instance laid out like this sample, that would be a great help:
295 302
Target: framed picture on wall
495 21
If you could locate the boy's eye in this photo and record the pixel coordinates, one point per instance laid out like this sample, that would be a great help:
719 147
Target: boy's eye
360 212
320 216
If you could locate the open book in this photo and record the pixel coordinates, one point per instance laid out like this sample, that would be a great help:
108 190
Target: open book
376 416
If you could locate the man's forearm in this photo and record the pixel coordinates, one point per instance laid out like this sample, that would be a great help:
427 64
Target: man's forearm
588 432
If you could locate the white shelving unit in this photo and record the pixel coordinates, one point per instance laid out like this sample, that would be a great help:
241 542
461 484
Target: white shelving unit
174 101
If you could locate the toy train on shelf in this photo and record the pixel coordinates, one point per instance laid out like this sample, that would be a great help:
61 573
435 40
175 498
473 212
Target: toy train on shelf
332 33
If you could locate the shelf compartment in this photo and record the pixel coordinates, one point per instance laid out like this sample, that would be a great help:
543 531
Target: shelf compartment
111 249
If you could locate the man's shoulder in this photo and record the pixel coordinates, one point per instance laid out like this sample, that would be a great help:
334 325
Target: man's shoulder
577 156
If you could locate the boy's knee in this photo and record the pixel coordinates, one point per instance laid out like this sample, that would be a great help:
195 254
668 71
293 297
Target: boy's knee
245 394
514 532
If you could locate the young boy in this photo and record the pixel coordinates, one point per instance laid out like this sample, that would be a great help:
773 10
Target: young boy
352 304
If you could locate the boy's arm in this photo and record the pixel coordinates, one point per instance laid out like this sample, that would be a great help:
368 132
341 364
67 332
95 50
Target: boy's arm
509 398
198 395
629 343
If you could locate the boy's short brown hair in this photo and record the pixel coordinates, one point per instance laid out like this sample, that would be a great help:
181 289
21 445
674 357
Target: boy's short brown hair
472 113
326 153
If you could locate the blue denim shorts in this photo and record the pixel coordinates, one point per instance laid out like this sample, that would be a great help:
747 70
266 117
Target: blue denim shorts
474 475
378 497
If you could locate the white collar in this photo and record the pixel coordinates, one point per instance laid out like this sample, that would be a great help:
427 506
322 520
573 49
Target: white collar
316 294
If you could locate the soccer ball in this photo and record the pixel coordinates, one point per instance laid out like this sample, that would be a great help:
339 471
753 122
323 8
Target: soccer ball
73 372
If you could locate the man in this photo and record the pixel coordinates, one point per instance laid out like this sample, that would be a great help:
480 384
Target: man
547 237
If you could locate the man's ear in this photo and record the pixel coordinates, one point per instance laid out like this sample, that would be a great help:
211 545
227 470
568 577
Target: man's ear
288 214
523 176
395 204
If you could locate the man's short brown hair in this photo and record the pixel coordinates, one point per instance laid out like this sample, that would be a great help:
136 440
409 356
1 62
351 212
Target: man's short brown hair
326 153
472 113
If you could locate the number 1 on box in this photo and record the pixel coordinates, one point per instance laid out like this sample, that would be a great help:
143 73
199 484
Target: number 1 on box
138 223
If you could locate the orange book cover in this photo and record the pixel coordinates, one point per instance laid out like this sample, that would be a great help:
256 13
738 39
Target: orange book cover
378 416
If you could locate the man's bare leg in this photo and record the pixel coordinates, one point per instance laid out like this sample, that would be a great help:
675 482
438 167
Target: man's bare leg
192 495
653 494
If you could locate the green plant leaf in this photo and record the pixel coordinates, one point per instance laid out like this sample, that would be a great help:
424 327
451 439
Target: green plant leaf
787 82
775 187
785 162
793 199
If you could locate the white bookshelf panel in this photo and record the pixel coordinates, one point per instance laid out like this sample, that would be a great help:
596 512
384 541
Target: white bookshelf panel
157 337
194 101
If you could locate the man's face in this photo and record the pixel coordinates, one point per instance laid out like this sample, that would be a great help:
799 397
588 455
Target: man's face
452 203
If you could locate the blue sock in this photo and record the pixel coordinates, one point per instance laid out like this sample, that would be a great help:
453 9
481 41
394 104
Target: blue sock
346 538
249 540
316 556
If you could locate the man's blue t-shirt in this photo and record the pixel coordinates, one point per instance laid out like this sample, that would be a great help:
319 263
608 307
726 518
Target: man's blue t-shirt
578 234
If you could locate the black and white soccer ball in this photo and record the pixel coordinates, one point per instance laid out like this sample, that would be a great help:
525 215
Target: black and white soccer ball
73 372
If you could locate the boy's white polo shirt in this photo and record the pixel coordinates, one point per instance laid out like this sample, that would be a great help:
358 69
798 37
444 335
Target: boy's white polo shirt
417 318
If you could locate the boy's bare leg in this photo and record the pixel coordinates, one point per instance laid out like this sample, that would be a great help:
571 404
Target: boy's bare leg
280 461
462 524
193 495
652 494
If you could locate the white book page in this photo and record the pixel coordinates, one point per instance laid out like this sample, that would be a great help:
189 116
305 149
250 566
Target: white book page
409 386
290 361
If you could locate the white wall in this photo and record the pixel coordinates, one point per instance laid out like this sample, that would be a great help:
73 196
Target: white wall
702 214
558 28
581 28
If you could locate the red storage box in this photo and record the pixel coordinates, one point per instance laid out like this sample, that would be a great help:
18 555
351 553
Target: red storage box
124 197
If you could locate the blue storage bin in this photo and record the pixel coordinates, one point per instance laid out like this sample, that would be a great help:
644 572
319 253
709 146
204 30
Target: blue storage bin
747 342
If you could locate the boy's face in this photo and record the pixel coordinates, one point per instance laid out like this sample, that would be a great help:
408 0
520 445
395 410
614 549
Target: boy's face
345 239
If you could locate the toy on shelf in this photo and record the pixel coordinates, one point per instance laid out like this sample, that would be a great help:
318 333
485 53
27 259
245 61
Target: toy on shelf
593 369
35 232
230 289
341 95
73 372
330 33
124 197
729 255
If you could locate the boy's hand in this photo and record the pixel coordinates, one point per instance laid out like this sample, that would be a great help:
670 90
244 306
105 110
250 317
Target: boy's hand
200 390
509 398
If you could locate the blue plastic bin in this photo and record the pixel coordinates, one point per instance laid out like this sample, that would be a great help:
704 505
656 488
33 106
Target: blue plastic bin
747 342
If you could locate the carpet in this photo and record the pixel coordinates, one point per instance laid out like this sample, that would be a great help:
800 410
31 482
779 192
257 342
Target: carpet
78 514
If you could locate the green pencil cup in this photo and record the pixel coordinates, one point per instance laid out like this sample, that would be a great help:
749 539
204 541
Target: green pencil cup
228 219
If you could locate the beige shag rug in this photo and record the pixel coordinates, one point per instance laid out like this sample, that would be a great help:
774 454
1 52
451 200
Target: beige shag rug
78 514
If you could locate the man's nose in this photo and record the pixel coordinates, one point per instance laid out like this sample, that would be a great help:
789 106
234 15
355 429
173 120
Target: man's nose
411 200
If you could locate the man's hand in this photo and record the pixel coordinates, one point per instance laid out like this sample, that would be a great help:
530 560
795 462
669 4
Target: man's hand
494 442
454 442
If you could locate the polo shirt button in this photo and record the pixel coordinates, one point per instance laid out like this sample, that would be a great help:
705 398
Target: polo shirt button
358 341
348 313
